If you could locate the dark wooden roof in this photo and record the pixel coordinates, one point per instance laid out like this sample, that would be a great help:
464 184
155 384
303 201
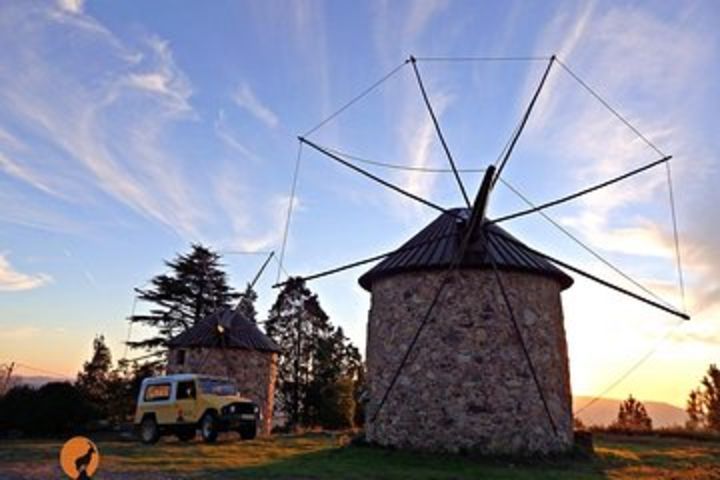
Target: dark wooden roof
237 332
436 245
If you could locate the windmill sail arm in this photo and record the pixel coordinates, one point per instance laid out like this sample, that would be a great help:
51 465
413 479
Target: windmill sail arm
582 192
262 269
599 280
365 261
377 179
524 120
434 119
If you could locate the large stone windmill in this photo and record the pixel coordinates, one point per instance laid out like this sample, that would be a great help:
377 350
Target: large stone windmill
467 383
466 346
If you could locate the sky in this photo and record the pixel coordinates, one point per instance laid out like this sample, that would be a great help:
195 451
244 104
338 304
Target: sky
129 130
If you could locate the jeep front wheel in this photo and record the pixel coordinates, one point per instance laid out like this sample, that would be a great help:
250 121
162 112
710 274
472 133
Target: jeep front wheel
149 431
209 427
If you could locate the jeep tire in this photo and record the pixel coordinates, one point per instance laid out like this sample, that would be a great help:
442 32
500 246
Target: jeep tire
248 432
149 431
209 427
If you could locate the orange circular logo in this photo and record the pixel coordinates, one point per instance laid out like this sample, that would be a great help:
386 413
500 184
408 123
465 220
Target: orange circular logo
79 458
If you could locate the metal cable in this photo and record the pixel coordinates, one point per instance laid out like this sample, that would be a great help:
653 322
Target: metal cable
290 209
610 108
629 371
356 98
583 245
396 166
520 338
482 59
676 236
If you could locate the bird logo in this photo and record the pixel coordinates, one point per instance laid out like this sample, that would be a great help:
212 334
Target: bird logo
79 458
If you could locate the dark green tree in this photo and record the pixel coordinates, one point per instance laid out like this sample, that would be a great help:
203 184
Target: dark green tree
695 410
332 392
711 397
93 381
318 370
246 305
633 416
195 286
296 322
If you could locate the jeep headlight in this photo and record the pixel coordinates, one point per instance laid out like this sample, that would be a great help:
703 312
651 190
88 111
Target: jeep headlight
256 409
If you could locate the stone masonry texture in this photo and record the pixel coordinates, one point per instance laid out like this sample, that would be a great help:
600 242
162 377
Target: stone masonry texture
467 385
255 373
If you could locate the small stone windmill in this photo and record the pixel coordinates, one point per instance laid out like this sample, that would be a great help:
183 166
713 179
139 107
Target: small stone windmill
227 343
466 346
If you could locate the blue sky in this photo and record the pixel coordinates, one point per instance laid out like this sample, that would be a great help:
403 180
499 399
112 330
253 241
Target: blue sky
130 129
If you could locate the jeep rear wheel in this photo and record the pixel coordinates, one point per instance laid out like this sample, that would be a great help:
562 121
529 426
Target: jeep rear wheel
209 427
149 431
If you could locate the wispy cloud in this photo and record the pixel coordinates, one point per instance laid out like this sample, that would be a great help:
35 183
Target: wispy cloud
253 225
420 15
15 169
12 280
110 119
419 143
245 98
19 333
74 6
230 138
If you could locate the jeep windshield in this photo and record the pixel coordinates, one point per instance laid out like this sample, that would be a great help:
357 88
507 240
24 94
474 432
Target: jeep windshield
214 386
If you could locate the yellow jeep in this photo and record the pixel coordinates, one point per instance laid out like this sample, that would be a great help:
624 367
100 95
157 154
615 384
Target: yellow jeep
184 403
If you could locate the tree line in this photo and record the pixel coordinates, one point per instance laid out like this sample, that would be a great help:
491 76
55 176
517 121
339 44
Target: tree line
320 371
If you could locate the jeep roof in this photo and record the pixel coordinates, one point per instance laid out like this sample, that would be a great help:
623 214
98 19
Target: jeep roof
179 377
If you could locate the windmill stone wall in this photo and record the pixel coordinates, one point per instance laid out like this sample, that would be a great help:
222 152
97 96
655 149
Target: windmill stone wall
467 385
254 371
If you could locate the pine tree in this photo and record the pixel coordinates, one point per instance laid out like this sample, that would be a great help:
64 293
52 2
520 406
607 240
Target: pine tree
92 381
633 416
246 306
711 398
695 410
195 287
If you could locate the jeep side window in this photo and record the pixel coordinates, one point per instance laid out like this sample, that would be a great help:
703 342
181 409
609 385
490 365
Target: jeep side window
157 392
186 390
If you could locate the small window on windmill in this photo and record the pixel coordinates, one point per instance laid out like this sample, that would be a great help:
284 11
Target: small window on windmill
224 321
180 357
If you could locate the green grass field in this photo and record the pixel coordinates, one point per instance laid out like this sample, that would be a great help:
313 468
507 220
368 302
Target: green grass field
326 456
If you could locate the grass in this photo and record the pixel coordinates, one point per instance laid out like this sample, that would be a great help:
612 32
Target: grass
326 456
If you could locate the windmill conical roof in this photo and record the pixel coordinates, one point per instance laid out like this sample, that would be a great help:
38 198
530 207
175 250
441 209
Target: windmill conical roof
237 332
436 246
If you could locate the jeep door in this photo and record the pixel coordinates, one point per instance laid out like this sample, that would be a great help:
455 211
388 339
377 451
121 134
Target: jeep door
185 402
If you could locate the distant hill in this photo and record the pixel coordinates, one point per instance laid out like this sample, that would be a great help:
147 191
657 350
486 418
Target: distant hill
604 412
36 381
